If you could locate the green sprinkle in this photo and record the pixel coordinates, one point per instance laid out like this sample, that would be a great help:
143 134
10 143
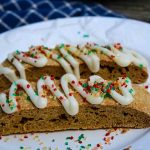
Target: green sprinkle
21 147
80 137
85 35
107 95
44 47
127 81
91 51
17 52
32 55
62 45
82 147
89 145
141 66
42 77
14 94
14 83
12 107
7 101
66 143
84 85
131 91
36 93
58 56
28 98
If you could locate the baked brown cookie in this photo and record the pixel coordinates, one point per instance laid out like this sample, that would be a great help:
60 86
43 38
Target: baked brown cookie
103 104
110 62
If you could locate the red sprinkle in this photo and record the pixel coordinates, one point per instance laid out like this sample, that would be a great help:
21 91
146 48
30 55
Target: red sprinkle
112 137
19 86
70 94
107 134
146 87
73 82
55 89
61 98
25 136
98 145
28 86
80 83
52 77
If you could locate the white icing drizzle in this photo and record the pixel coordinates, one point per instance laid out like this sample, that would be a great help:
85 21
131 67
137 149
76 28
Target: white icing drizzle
67 99
18 66
9 73
87 53
39 61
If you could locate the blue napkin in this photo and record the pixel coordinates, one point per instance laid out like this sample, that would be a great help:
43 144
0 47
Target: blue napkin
15 13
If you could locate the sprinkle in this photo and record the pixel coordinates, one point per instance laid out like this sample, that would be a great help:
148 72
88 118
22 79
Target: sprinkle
36 93
84 85
53 140
32 55
28 86
131 91
141 66
82 147
66 143
73 82
69 138
70 94
17 52
61 98
21 147
80 83
91 51
85 36
146 87
28 98
58 56
62 46
25 136
52 77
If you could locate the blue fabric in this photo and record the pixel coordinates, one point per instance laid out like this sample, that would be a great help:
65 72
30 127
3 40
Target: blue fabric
15 13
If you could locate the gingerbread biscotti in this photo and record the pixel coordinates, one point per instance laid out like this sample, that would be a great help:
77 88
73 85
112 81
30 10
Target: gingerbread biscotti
73 104
109 61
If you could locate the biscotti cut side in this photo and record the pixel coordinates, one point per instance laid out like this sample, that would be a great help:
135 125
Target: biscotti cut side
108 70
109 114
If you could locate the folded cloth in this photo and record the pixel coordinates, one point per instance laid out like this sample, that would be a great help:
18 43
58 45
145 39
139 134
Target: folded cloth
15 13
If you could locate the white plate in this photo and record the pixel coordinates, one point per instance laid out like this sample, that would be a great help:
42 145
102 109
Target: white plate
132 34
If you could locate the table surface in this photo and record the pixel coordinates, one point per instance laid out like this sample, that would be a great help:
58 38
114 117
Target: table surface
136 9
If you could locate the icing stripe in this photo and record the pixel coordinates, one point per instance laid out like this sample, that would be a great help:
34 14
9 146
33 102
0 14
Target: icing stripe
98 88
38 57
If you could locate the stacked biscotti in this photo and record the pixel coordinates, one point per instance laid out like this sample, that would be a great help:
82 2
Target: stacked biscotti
73 87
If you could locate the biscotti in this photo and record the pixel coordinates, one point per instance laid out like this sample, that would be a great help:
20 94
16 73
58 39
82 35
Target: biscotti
72 104
109 62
